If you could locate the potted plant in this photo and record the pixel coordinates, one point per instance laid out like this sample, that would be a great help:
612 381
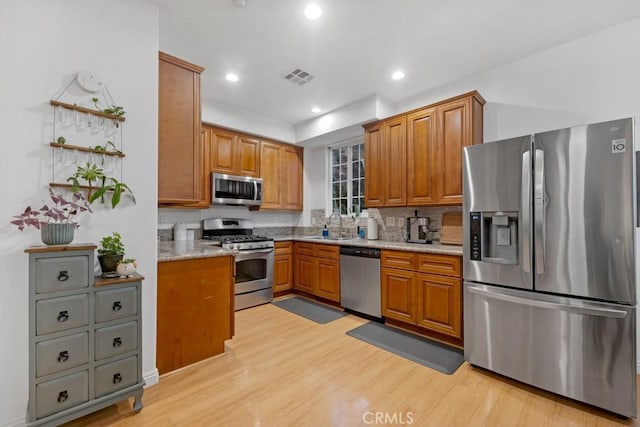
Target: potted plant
110 252
56 222
92 173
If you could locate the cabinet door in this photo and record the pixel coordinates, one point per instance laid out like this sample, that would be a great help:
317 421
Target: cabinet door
394 142
440 304
421 159
248 163
398 294
305 274
291 184
373 170
205 167
179 163
224 154
454 133
282 272
328 285
270 155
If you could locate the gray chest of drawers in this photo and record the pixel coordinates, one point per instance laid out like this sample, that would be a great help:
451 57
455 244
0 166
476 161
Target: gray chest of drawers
85 336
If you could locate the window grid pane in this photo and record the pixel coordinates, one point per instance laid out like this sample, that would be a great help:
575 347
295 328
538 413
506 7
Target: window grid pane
347 179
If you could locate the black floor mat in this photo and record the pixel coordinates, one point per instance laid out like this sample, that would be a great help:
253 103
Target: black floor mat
429 353
317 312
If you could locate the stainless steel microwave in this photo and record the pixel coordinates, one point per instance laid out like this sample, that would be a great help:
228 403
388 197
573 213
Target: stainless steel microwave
235 190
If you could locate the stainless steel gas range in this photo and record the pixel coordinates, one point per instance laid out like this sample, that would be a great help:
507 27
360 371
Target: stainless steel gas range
254 258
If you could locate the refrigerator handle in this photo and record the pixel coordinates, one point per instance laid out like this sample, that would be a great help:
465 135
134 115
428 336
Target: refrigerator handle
538 213
570 308
525 212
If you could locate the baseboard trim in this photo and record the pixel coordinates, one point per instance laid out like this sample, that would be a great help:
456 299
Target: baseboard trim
152 377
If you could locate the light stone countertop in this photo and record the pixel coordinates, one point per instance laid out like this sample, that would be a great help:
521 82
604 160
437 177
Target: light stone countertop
179 250
434 248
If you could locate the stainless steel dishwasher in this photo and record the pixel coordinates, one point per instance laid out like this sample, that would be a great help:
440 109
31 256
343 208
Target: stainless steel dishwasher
360 280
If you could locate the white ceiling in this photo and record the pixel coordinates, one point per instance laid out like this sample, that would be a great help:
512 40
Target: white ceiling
356 44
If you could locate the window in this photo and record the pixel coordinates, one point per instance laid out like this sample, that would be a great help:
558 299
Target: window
346 169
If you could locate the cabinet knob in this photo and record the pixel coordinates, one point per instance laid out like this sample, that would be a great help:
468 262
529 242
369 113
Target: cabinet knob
63 316
63 356
117 342
117 306
63 276
117 378
63 395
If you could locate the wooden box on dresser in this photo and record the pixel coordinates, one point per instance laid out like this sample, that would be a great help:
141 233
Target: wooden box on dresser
85 336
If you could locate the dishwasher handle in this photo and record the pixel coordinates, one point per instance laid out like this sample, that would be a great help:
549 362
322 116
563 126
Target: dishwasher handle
360 251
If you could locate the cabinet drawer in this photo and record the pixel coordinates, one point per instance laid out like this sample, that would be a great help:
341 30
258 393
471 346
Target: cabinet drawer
116 375
62 353
326 251
62 393
398 259
445 265
302 248
115 340
58 314
116 304
59 274
283 247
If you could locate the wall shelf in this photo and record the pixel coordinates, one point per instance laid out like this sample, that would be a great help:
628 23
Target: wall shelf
87 149
86 110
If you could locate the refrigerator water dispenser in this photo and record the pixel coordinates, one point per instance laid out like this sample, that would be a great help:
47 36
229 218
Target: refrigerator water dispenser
494 237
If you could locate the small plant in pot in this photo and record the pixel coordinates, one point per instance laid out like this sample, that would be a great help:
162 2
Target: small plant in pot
110 252
127 267
56 221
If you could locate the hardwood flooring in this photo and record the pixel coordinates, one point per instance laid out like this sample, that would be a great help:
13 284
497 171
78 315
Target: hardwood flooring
284 370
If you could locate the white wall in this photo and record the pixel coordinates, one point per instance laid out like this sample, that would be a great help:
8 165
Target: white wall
42 44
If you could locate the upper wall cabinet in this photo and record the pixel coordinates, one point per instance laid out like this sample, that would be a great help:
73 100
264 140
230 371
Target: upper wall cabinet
180 144
281 171
234 154
415 158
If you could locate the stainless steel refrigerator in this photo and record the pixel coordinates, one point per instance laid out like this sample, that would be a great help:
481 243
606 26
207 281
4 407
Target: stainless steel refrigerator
549 263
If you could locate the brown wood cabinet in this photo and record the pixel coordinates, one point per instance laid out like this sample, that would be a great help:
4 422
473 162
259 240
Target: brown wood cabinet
422 290
194 310
415 158
233 153
179 138
283 266
317 270
281 171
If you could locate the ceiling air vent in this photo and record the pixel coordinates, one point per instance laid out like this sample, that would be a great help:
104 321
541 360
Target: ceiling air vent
299 77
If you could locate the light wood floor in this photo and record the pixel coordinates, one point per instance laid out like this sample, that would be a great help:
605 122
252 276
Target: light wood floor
283 370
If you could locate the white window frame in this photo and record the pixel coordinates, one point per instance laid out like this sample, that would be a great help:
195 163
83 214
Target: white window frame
329 182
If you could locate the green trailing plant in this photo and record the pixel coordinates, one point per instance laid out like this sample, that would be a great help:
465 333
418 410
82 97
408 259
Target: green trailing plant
111 245
106 146
89 173
117 187
114 110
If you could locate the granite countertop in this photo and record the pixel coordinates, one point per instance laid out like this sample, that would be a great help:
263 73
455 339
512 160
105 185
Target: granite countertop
178 250
434 248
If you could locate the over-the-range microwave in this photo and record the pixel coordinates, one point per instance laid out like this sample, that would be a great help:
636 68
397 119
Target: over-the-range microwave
235 190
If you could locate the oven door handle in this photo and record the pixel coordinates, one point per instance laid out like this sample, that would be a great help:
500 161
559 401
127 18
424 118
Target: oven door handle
256 251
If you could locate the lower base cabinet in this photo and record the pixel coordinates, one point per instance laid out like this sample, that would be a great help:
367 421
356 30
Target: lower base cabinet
283 266
85 345
423 290
317 270
195 310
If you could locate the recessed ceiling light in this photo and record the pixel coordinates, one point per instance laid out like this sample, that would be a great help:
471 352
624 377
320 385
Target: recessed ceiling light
397 75
316 109
232 77
312 11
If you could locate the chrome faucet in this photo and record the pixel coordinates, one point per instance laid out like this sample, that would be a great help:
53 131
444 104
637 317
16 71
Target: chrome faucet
340 218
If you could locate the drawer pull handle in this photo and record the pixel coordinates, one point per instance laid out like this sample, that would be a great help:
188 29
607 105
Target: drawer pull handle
117 378
117 306
63 276
117 342
63 316
63 356
62 396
